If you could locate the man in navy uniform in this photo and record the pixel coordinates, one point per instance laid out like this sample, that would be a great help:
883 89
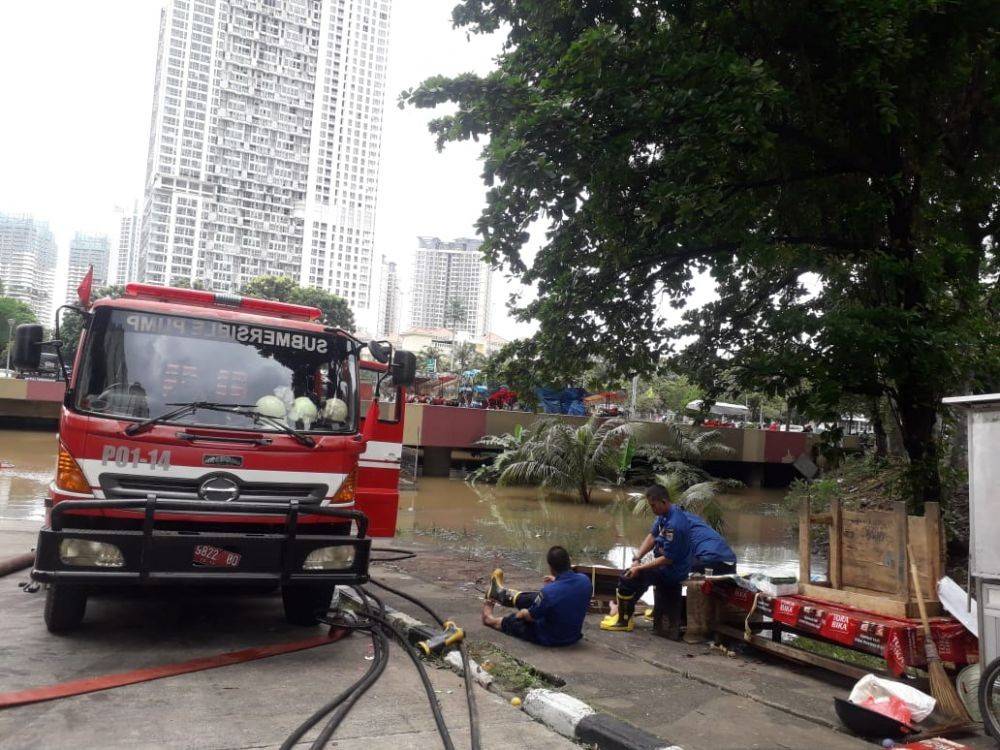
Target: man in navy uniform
709 551
550 617
670 541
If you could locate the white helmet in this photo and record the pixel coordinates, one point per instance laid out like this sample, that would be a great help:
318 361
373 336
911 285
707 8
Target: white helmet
271 406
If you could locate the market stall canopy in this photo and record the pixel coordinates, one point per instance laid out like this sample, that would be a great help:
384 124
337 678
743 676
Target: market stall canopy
720 408
604 397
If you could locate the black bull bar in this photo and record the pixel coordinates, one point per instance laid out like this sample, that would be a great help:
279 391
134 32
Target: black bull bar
157 556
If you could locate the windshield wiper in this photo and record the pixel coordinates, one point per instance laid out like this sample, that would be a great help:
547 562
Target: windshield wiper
180 411
277 423
242 409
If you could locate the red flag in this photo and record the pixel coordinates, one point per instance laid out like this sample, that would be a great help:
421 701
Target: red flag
86 286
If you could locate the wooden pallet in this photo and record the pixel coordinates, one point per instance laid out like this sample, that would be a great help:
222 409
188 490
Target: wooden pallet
868 566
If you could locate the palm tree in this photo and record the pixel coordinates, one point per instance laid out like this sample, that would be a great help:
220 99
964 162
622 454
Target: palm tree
677 465
562 457
455 313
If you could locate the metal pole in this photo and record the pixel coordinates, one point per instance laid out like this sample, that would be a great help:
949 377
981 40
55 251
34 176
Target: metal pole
635 388
10 339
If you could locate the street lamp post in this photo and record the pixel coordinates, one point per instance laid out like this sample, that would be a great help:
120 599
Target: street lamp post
10 339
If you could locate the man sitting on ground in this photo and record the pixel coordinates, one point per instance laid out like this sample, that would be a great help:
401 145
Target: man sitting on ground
551 617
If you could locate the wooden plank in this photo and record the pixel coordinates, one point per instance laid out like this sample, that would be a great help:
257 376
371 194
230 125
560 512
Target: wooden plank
926 566
805 548
836 543
903 581
821 519
870 550
793 654
869 601
932 533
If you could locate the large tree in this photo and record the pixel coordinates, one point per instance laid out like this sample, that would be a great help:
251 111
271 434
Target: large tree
831 165
336 311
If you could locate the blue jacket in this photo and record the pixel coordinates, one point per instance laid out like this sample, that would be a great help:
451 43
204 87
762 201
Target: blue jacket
560 608
706 543
672 539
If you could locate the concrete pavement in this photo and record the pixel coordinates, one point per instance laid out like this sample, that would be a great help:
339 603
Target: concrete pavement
252 705
685 694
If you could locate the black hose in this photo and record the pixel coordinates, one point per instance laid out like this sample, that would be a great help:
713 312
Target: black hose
378 666
470 695
400 554
428 686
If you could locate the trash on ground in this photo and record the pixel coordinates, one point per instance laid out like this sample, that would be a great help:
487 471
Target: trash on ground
875 693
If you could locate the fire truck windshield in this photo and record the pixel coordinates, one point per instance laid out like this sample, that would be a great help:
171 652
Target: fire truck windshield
138 365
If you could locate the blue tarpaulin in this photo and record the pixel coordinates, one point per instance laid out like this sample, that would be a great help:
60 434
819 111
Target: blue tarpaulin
562 401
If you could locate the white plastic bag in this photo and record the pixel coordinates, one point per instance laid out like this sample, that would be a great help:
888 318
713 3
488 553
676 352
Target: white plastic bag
920 704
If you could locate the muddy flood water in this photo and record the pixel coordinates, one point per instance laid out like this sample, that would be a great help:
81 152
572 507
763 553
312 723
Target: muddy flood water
521 522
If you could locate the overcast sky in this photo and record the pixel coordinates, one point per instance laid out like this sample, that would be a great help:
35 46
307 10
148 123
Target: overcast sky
76 93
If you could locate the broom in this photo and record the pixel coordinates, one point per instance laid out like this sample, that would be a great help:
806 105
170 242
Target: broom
942 687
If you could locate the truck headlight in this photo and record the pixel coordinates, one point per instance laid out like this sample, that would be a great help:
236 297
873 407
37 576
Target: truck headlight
329 558
85 552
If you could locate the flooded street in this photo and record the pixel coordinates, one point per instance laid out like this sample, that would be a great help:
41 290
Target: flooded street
523 522
22 488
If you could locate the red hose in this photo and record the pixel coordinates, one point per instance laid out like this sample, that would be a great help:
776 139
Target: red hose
18 562
108 681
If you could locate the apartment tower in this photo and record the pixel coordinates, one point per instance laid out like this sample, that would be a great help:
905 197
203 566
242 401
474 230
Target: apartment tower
28 263
264 145
87 251
451 286
388 300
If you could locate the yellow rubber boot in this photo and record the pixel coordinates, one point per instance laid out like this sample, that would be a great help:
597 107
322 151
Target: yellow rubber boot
623 621
497 593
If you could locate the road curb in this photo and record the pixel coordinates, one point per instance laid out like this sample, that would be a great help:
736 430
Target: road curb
560 712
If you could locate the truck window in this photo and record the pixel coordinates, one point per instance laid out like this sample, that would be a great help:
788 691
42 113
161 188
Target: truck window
388 395
138 364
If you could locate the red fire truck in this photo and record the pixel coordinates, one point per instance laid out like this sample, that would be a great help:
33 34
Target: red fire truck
207 438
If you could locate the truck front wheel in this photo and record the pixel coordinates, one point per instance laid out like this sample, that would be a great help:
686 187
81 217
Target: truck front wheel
304 603
64 607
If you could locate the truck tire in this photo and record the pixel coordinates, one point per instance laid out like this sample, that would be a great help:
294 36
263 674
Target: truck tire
64 607
304 603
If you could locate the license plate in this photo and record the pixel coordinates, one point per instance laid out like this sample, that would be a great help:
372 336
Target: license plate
206 555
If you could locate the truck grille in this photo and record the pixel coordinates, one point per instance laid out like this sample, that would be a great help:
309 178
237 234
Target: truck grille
125 486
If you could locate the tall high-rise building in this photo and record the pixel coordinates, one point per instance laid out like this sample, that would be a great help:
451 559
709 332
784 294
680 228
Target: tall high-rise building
125 264
86 250
451 286
28 263
265 142
388 300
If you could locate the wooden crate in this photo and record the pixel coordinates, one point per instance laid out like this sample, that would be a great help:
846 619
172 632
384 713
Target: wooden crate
605 582
868 566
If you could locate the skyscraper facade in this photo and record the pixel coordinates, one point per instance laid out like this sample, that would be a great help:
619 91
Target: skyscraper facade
125 264
28 263
451 286
86 251
388 300
265 142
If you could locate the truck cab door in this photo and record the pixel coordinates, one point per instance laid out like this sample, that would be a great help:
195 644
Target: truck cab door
377 494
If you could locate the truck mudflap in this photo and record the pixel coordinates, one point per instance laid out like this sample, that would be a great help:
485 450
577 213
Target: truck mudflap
156 556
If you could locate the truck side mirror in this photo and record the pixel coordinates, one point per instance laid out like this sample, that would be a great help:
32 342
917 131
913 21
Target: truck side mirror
404 368
27 351
381 350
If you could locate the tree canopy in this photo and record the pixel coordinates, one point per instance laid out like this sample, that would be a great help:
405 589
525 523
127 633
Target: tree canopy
336 311
831 167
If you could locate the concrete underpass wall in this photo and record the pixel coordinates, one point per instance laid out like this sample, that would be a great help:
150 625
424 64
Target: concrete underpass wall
445 434
30 403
